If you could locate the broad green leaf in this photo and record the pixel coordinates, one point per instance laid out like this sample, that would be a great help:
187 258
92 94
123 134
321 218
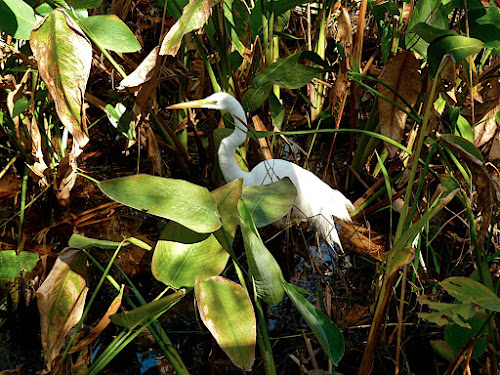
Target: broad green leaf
461 143
277 111
64 56
431 12
183 202
12 264
429 33
459 46
264 269
442 348
466 289
194 16
77 241
227 198
457 336
112 33
327 333
227 312
119 116
61 299
135 317
84 4
269 203
484 24
17 18
238 17
254 97
181 254
446 313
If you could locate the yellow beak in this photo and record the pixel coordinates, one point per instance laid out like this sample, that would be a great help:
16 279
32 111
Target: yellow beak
202 103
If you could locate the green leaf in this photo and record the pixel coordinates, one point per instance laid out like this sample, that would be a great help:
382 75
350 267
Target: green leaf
429 33
227 312
135 317
432 12
269 203
484 24
77 241
465 289
17 18
448 312
61 299
183 202
442 348
112 33
238 17
255 96
264 269
194 16
456 336
459 46
327 333
227 197
462 144
64 56
12 264
277 111
181 254
84 4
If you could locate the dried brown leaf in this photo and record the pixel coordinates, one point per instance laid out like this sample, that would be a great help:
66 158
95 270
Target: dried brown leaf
61 299
486 128
154 151
344 29
143 73
66 174
494 154
401 73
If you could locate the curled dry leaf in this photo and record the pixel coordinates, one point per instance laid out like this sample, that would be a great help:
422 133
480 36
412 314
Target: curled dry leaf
486 128
61 299
39 167
144 72
67 174
494 154
401 74
344 29
194 16
64 56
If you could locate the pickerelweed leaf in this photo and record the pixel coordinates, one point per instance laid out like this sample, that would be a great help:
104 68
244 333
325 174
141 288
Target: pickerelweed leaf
112 33
227 312
135 317
17 18
64 56
238 17
77 241
429 33
61 299
181 254
456 336
466 289
264 269
459 46
194 16
183 202
84 4
13 263
269 203
227 197
327 333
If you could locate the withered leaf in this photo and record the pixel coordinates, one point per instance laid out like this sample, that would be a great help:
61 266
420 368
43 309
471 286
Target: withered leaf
401 73
64 56
344 29
143 72
61 299
194 16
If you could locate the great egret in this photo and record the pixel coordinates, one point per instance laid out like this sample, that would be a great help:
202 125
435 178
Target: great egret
316 201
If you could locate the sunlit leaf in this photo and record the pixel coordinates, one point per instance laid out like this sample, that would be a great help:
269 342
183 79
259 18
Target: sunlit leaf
327 333
61 299
17 18
181 254
238 17
429 33
194 16
269 203
264 269
112 33
84 4
78 241
447 313
183 202
401 73
12 264
227 197
64 56
459 46
466 289
133 318
227 312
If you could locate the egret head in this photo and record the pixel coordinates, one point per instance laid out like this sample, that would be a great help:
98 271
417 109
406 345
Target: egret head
220 101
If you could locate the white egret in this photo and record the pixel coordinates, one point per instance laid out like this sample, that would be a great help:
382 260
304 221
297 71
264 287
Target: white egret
316 201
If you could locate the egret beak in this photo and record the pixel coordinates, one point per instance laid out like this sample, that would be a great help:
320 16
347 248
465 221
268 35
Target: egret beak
202 103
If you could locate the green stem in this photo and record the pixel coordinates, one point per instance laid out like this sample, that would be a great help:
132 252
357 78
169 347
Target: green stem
23 207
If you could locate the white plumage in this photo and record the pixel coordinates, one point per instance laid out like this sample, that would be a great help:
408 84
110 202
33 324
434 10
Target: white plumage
316 201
